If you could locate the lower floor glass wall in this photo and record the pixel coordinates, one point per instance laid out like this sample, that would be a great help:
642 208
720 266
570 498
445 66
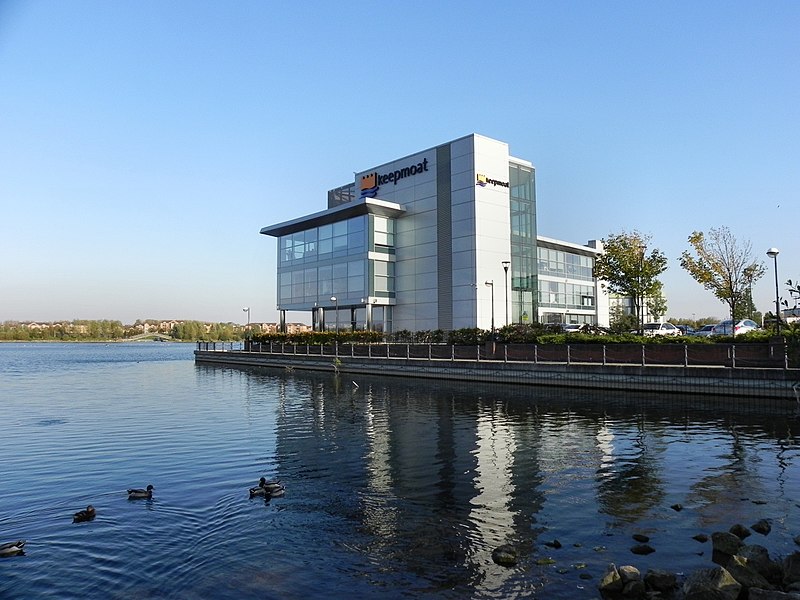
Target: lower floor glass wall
353 318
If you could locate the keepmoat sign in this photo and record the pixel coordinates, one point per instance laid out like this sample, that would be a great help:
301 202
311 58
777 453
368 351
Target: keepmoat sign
483 181
370 183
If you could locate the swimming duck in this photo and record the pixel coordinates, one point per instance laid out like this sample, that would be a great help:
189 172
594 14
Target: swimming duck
259 489
141 494
84 515
267 489
12 548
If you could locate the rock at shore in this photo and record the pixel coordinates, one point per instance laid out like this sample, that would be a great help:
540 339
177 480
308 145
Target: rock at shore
660 581
726 542
762 526
611 583
758 559
745 574
505 555
711 584
791 569
740 531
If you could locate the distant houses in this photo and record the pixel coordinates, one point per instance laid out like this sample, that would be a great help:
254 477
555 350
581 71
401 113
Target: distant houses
107 329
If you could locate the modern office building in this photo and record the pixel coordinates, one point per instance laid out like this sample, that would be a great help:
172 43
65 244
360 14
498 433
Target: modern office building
568 291
441 239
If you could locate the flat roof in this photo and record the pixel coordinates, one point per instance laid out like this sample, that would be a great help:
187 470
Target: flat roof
363 206
554 244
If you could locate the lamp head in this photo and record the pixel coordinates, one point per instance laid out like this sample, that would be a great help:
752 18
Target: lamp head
773 252
490 283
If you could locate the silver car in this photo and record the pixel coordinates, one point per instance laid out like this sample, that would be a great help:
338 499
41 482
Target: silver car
704 331
741 327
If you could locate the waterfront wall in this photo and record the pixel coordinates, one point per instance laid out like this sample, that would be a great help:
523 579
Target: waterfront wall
487 364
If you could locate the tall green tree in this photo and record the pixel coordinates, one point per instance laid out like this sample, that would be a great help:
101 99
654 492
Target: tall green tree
724 265
627 268
620 322
657 303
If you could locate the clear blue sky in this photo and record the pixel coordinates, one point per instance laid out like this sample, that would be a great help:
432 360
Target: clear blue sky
144 144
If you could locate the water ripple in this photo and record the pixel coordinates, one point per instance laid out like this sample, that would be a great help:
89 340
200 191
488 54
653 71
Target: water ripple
395 489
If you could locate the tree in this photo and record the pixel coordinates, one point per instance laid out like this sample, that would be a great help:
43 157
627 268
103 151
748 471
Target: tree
620 322
656 303
724 265
627 269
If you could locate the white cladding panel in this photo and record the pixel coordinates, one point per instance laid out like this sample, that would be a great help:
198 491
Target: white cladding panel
492 226
415 237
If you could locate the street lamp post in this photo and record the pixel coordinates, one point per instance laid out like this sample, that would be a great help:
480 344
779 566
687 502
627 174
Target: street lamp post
247 329
506 264
773 254
491 285
335 301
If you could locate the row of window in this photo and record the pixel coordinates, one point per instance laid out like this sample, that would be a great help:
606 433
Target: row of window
552 318
568 295
349 278
355 319
557 263
326 241
344 238
522 205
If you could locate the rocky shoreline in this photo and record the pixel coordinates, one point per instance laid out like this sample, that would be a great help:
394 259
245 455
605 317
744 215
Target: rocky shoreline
742 572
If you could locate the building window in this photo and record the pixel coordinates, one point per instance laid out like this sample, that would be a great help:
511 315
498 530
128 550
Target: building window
383 231
558 263
344 238
384 277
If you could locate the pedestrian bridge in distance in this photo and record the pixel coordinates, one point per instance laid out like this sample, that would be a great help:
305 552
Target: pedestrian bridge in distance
159 337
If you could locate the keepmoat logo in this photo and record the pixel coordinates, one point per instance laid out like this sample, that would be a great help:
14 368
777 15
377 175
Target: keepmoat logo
372 182
483 181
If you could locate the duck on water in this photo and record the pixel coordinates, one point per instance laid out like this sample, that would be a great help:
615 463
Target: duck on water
87 514
267 489
12 549
141 494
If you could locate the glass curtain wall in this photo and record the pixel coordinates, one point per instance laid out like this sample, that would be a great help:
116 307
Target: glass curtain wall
557 263
563 297
321 262
523 244
331 261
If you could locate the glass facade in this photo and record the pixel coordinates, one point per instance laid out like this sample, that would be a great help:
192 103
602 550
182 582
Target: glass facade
557 263
562 300
523 243
335 240
566 295
333 260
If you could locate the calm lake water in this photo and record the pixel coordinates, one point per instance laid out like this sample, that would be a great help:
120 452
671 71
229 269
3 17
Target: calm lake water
395 488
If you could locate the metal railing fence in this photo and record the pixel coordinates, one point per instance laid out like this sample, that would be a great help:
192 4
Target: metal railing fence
768 356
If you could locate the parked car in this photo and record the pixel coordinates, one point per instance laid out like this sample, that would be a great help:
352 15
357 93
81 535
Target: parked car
653 329
570 327
742 326
685 329
704 331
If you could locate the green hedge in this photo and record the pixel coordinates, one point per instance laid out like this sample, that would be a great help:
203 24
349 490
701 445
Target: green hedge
321 337
514 334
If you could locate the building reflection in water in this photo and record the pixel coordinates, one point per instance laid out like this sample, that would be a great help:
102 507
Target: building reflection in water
428 477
